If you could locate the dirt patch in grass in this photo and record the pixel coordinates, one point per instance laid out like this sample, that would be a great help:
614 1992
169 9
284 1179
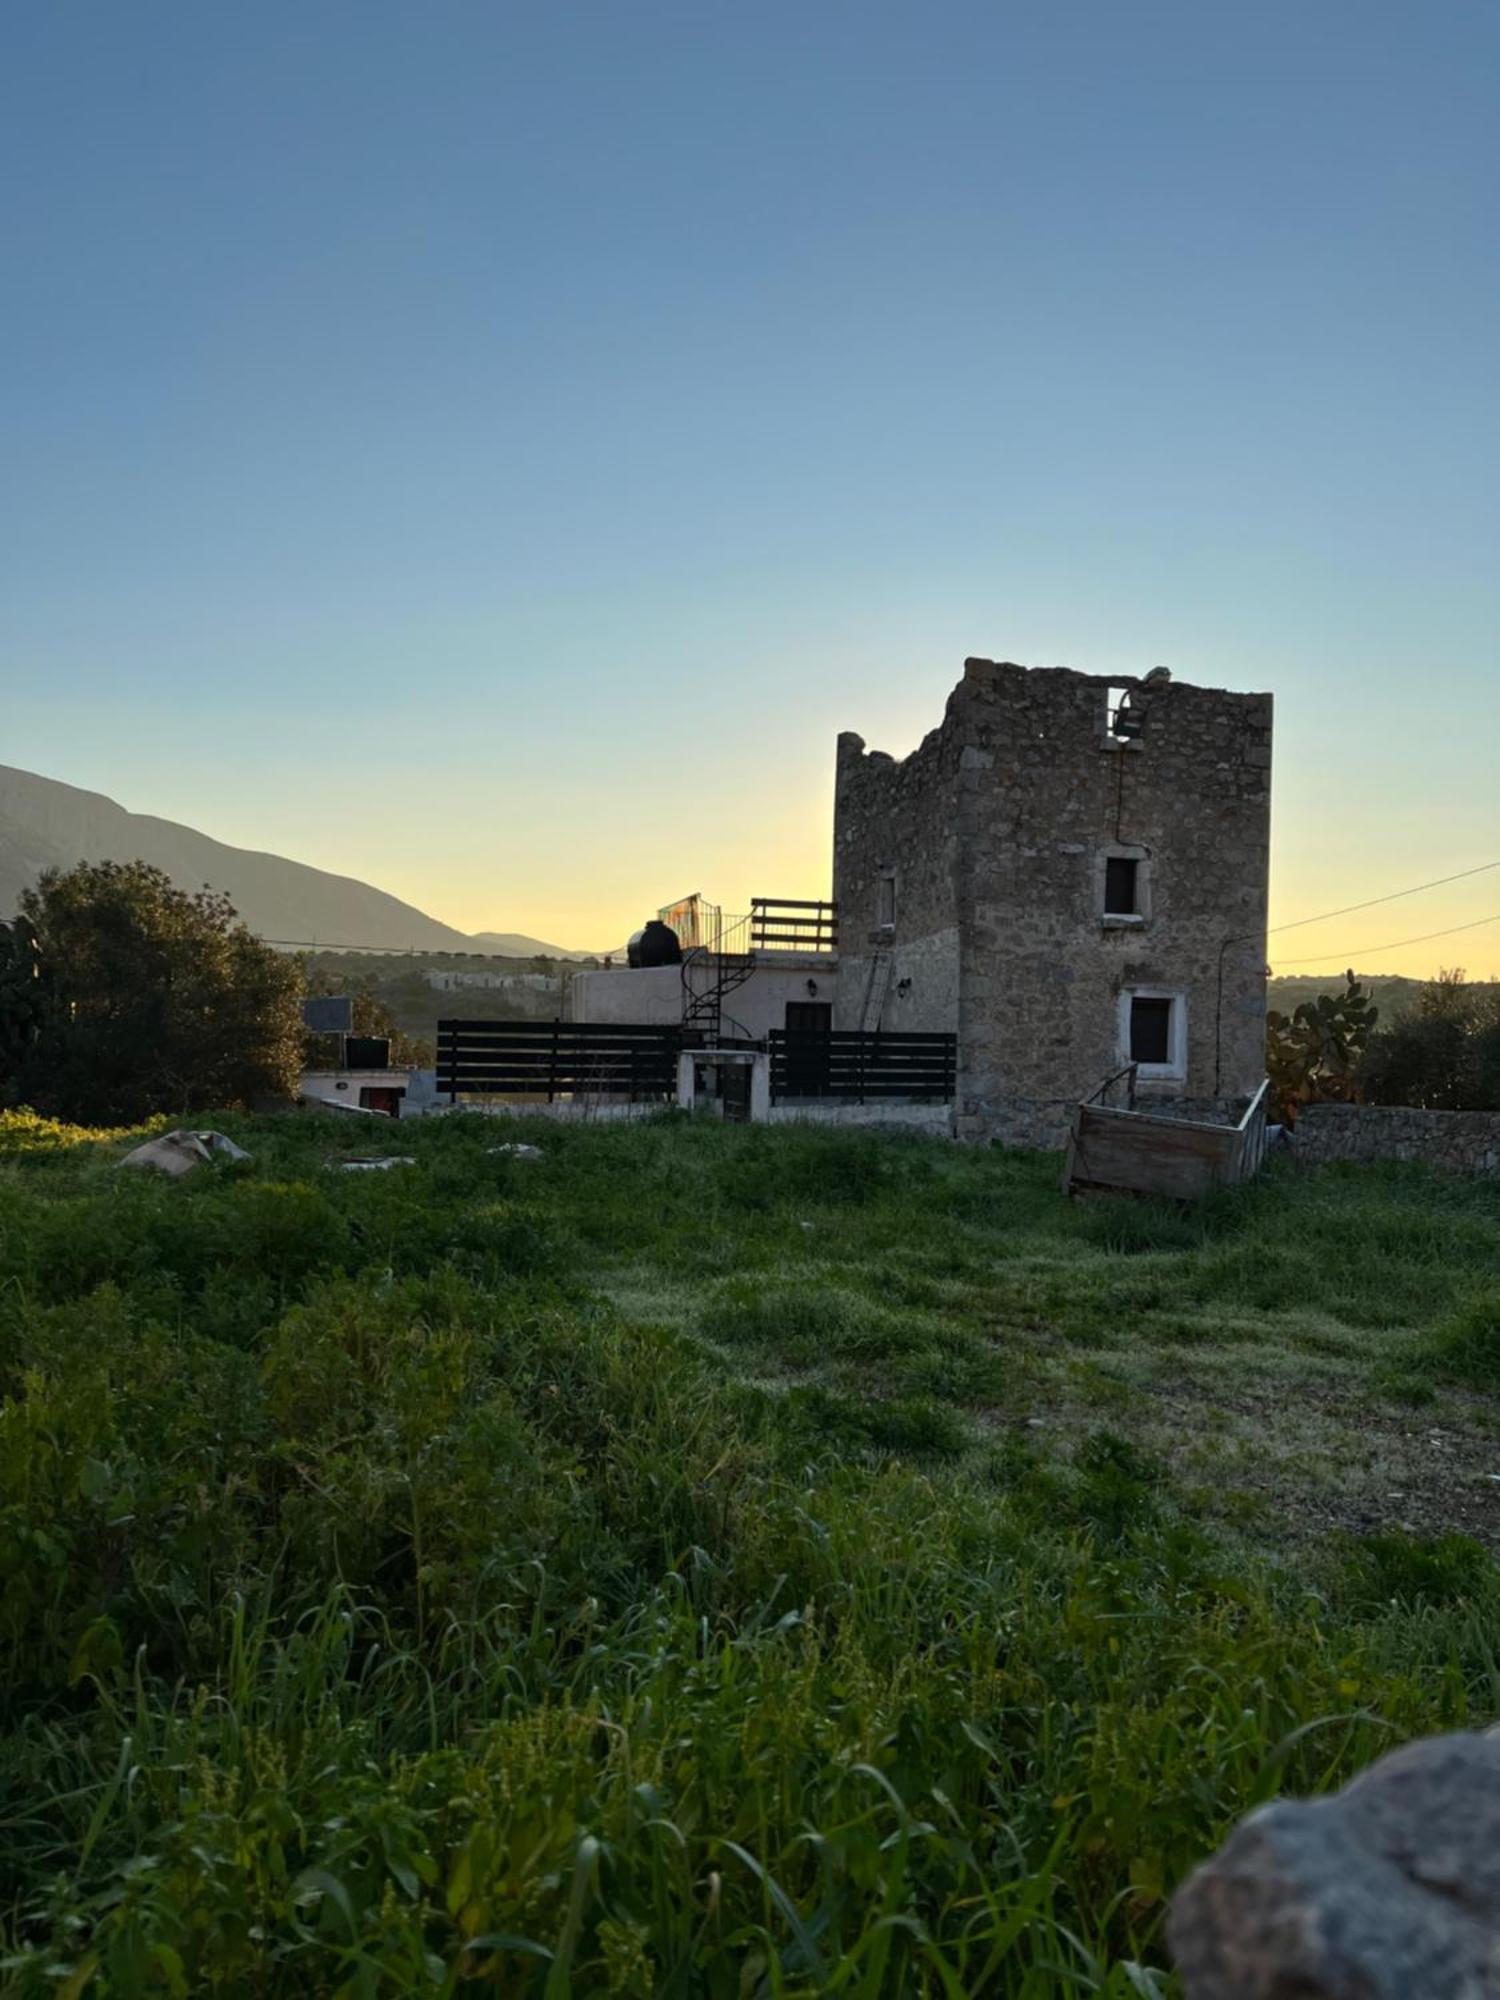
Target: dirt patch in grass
1327 1462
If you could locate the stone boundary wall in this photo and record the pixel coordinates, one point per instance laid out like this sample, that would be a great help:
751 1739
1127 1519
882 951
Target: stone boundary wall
1464 1142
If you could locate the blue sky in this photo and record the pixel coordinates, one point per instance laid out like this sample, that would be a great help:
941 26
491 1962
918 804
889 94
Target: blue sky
493 449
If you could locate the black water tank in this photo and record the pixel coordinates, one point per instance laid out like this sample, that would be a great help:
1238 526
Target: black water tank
655 945
367 1052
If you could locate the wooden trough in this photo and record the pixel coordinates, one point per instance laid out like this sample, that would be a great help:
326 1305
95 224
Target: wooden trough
1145 1152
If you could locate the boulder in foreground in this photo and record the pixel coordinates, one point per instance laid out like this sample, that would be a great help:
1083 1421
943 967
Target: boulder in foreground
1387 1890
178 1153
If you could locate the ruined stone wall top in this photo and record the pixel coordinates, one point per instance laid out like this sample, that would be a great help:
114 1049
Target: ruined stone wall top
1053 789
1023 755
896 818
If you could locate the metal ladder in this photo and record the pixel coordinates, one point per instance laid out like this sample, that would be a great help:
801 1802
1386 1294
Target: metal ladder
877 989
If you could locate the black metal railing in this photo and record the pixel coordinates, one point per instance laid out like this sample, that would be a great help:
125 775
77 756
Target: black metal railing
555 1059
856 1067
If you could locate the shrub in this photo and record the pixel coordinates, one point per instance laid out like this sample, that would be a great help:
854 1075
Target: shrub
1444 1054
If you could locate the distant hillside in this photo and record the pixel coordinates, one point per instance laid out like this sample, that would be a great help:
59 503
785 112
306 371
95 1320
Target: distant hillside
47 824
515 944
1392 993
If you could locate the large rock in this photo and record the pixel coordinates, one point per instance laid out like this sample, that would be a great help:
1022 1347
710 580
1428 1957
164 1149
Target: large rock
1388 1891
178 1153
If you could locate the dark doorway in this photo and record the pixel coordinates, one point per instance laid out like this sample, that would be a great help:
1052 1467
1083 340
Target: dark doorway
734 1092
807 1023
374 1097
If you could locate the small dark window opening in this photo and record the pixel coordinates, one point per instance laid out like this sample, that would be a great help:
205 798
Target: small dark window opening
886 917
1150 1031
1121 883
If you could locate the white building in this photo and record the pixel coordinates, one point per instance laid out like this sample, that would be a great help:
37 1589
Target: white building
493 982
379 1090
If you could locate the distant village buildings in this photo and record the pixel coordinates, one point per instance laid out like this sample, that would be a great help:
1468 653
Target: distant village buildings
441 980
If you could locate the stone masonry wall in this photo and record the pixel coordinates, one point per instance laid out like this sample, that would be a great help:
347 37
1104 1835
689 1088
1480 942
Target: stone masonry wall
998 828
899 819
1466 1142
1047 794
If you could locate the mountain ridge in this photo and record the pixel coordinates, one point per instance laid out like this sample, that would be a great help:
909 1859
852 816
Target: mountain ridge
48 823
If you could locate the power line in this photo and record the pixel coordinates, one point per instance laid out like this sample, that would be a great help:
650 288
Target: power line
416 950
1366 950
1394 897
1298 923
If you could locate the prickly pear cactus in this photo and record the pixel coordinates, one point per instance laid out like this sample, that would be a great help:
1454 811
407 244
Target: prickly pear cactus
1315 1053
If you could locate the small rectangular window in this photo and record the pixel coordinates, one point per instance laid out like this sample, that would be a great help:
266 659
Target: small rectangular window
886 904
1121 886
1150 1030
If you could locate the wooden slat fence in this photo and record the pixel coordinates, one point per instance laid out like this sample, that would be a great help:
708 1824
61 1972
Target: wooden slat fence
555 1059
777 924
855 1066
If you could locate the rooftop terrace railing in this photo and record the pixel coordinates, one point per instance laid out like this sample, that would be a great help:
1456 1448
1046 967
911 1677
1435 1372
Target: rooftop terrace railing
777 923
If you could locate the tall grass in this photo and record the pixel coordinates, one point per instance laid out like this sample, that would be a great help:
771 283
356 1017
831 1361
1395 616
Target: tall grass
391 1601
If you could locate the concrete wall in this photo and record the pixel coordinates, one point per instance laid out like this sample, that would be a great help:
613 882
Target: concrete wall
998 828
652 995
342 1087
916 990
565 1111
1460 1141
935 1120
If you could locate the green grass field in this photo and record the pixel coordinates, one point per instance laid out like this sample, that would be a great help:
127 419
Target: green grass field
706 1561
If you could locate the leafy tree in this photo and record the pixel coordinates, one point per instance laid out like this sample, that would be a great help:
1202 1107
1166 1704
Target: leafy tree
163 1001
1314 1053
1443 1055
24 997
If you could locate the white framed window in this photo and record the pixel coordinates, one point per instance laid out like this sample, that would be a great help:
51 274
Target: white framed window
1153 1033
1123 886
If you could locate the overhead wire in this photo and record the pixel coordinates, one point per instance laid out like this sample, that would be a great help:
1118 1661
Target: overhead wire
1394 897
1396 944
1297 923
412 950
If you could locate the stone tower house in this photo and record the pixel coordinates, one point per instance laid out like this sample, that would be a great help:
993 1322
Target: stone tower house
1071 872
